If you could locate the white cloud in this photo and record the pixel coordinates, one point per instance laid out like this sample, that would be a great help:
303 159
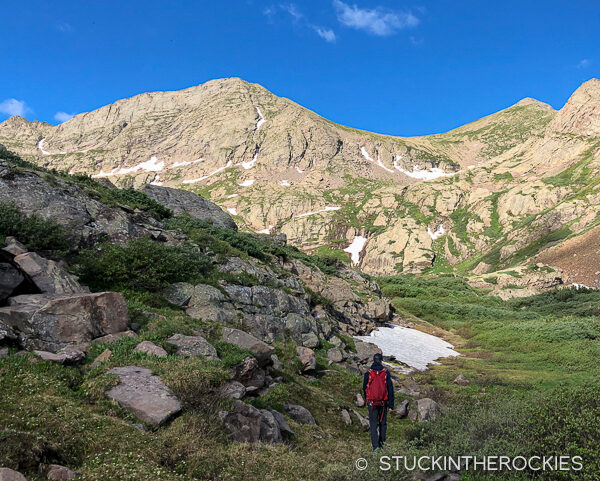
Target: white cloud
14 107
376 21
63 116
298 18
325 33
64 27
293 11
584 63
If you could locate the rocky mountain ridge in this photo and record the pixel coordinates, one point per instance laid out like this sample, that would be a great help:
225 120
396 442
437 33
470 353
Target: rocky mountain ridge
484 197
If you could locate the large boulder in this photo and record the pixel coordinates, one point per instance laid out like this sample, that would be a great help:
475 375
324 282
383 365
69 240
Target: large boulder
144 395
299 414
191 346
67 355
186 202
248 424
7 474
47 275
57 472
261 350
284 428
427 409
201 302
50 323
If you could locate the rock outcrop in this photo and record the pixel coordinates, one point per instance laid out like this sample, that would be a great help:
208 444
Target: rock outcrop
248 424
185 202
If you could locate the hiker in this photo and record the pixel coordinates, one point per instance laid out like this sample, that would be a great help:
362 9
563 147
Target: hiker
379 393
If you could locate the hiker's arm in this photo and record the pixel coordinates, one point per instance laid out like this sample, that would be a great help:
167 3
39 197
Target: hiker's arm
365 382
390 389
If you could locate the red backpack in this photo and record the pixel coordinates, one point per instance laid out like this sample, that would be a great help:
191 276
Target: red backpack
377 392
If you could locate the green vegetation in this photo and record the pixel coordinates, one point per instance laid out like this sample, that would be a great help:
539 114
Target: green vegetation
38 234
140 265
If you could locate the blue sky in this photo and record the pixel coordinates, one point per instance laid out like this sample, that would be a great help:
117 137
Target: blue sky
390 66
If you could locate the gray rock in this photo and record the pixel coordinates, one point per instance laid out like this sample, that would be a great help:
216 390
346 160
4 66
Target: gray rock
61 320
60 473
346 417
307 358
334 355
110 338
310 340
461 380
47 275
284 428
7 474
150 349
277 365
144 395
190 346
427 409
10 279
67 355
242 339
364 423
185 202
232 390
299 414
249 374
209 303
365 350
358 400
248 424
179 293
14 247
401 409
3 353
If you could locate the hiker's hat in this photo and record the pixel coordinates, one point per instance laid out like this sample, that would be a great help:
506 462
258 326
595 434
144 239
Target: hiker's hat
378 357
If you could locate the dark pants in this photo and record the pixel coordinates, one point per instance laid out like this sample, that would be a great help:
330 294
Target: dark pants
377 424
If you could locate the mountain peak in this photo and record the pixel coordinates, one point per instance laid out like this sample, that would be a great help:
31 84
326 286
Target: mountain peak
581 114
532 101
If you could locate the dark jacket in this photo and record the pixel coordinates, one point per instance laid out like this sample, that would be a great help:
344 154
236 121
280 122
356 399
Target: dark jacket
390 387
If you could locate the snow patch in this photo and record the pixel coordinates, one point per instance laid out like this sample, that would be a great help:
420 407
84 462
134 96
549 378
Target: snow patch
437 234
299 170
199 179
261 119
355 248
410 346
40 145
266 230
326 209
156 180
583 286
232 196
423 174
152 165
184 163
247 183
286 183
232 210
365 154
249 165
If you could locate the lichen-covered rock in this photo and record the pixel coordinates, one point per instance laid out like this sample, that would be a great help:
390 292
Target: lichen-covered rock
47 275
248 424
299 414
144 395
307 358
261 350
150 349
190 346
50 323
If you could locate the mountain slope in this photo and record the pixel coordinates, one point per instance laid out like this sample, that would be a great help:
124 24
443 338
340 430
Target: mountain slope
484 196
